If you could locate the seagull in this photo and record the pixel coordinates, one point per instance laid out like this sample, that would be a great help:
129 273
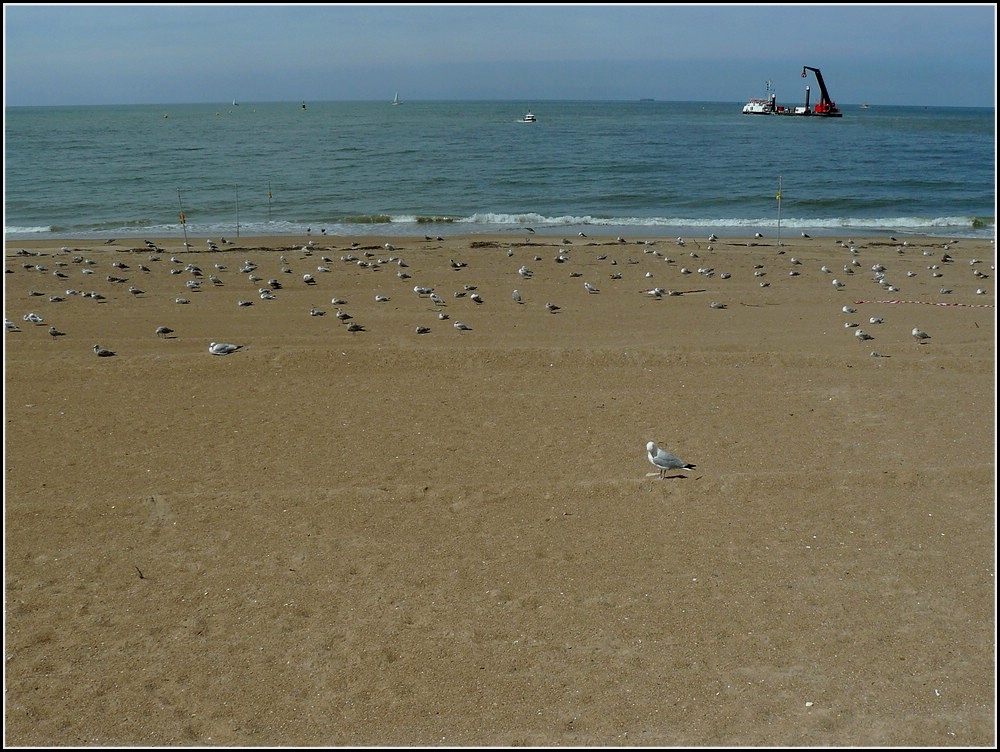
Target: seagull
55 332
163 331
664 461
589 287
462 327
34 318
552 307
102 353
423 329
516 295
919 335
222 348
435 298
10 325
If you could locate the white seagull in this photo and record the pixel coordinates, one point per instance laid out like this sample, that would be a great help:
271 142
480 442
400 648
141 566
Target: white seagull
919 335
664 461
462 327
103 353
222 348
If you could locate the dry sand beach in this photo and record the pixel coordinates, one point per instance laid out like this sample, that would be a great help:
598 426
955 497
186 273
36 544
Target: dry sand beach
454 538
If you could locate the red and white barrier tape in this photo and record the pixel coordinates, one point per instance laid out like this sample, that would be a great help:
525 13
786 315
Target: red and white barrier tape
928 302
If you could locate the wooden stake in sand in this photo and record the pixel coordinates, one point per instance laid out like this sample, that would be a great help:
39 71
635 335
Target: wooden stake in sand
779 209
183 219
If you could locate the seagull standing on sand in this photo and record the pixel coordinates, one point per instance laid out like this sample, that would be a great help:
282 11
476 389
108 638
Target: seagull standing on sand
102 353
664 461
919 335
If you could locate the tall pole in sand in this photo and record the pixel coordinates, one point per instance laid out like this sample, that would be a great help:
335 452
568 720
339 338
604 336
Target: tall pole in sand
779 210
237 210
183 219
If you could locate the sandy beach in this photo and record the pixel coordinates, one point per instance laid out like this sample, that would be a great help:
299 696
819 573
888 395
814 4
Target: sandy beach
454 538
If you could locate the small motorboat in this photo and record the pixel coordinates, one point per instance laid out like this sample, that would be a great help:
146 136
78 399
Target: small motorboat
529 117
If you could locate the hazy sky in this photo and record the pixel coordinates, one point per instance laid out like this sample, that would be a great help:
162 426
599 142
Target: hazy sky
163 54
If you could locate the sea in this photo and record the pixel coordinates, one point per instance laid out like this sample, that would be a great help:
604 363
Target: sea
635 169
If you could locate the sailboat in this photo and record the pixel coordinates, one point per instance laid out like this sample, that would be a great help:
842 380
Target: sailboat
235 103
395 99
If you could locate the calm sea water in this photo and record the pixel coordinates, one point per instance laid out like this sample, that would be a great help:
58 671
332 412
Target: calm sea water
438 168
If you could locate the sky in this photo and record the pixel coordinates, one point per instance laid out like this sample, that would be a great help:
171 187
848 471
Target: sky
918 54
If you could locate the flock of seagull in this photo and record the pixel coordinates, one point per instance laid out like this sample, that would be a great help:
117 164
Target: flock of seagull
195 278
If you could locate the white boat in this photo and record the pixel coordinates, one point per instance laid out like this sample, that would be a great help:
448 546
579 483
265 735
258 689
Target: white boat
762 106
529 118
235 103
395 99
759 107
